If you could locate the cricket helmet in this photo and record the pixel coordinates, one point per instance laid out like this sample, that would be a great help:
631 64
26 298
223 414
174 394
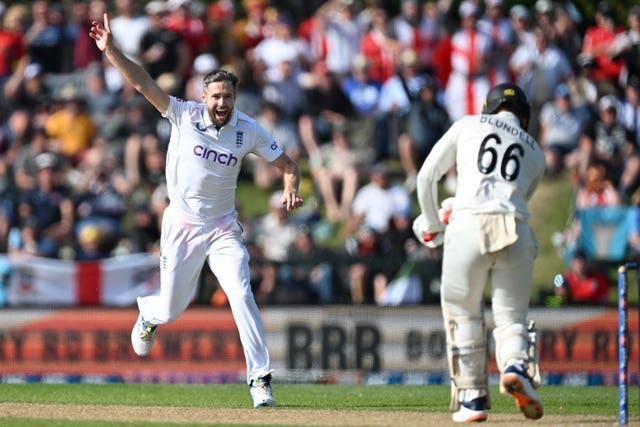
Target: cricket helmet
509 97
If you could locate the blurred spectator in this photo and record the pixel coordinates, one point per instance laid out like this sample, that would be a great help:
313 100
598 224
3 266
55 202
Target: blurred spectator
364 94
25 167
597 42
521 21
582 283
566 34
14 133
282 88
545 17
560 129
380 49
309 271
431 32
285 132
608 141
396 95
630 109
163 51
103 102
626 46
184 20
283 45
584 93
406 254
84 50
326 108
91 243
472 59
595 191
274 235
336 175
365 249
249 98
249 29
128 25
404 27
341 33
11 39
25 89
101 206
499 27
24 238
202 65
379 246
598 189
70 127
102 158
538 71
219 19
427 121
377 202
140 142
142 233
45 36
46 211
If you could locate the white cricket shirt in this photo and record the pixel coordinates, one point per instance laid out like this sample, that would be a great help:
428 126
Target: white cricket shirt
499 166
203 162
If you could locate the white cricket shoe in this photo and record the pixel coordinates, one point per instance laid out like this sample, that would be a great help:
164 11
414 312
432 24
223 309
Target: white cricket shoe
142 336
472 411
260 390
516 383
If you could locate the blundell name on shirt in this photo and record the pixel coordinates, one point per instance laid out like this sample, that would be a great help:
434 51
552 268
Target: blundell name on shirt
513 130
226 159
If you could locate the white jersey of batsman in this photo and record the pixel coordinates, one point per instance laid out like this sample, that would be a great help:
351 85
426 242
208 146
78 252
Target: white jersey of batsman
499 166
203 162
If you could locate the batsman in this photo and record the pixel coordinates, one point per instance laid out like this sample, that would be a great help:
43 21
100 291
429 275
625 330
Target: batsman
487 241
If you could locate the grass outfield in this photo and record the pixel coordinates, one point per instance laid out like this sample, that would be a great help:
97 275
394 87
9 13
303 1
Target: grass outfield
148 405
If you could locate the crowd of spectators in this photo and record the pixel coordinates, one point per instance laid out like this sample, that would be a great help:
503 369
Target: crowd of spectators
347 87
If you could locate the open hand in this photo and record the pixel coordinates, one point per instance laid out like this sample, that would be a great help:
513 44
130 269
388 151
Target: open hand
101 33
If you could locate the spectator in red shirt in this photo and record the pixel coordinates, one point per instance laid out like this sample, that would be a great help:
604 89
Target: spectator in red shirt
192 28
12 39
582 282
379 48
597 42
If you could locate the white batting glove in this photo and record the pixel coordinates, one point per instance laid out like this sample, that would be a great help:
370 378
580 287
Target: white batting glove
430 240
446 208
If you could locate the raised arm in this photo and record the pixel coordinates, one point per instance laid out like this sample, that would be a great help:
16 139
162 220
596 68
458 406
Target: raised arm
134 73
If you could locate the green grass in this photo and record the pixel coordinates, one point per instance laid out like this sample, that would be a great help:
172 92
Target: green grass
558 400
550 208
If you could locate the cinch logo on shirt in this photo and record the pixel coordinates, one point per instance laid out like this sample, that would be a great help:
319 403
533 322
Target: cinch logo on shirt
226 159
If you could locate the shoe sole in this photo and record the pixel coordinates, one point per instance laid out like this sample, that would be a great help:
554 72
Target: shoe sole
271 404
513 386
478 418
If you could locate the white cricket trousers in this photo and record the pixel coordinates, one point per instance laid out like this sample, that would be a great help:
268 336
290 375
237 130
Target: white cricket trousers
185 245
466 273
